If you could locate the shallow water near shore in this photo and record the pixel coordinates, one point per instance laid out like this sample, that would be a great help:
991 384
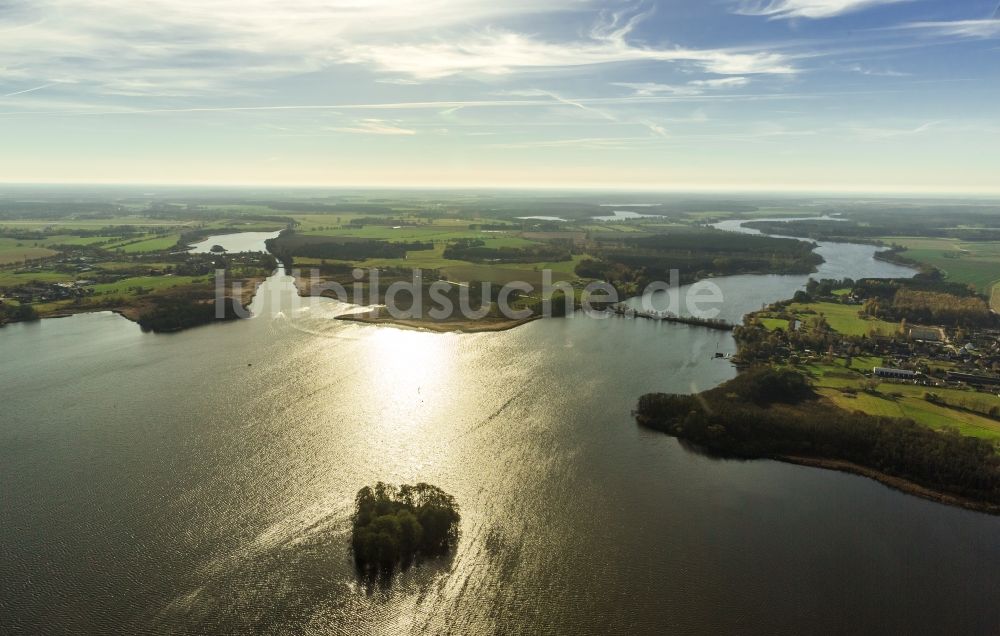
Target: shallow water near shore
201 482
236 242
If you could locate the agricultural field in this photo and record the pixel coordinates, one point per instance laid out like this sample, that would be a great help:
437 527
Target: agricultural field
771 324
759 213
439 233
435 232
965 410
68 239
975 263
240 225
14 250
509 272
614 227
155 244
12 278
72 223
842 318
17 251
132 286
313 222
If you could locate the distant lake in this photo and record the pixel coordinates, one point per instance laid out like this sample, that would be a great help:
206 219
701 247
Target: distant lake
630 205
542 218
625 215
739 225
236 242
202 482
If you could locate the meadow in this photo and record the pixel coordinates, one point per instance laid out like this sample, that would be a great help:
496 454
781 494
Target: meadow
17 251
975 263
138 285
841 318
14 250
963 409
74 223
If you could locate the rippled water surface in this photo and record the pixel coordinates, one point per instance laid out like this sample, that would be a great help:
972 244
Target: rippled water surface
202 482
238 242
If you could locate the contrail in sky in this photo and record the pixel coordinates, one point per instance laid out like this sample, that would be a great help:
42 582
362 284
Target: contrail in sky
427 105
27 90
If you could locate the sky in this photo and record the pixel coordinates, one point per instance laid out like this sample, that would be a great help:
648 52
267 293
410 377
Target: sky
754 95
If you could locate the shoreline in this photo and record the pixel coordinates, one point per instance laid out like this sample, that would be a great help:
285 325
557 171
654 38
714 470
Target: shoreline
374 317
132 313
445 326
890 254
745 453
895 483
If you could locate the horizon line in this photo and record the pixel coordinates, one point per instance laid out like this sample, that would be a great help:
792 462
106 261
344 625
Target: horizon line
887 190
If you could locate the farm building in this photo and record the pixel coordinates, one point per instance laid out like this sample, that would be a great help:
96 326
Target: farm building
928 334
896 374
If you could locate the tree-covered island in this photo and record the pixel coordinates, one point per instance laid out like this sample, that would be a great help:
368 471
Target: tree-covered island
394 525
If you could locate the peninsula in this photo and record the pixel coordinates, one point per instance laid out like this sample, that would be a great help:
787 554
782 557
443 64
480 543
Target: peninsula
891 379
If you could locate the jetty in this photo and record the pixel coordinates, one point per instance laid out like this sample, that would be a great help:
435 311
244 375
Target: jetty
621 309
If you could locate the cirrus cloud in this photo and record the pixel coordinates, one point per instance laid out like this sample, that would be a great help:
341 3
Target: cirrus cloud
504 52
373 127
187 48
814 9
988 28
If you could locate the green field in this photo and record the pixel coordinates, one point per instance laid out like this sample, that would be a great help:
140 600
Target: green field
845 388
69 239
510 272
439 232
761 213
772 324
843 318
614 227
917 409
16 251
70 223
236 225
436 232
866 363
109 294
156 244
128 286
464 271
10 278
973 263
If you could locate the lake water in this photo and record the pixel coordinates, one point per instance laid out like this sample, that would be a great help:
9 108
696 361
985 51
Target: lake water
542 218
238 242
625 215
202 482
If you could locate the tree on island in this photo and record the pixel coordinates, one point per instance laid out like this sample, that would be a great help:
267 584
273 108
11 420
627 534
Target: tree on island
394 525
217 249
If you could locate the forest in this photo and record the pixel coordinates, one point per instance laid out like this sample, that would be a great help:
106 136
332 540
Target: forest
767 412
695 254
924 302
475 250
392 526
15 313
968 222
291 244
174 313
